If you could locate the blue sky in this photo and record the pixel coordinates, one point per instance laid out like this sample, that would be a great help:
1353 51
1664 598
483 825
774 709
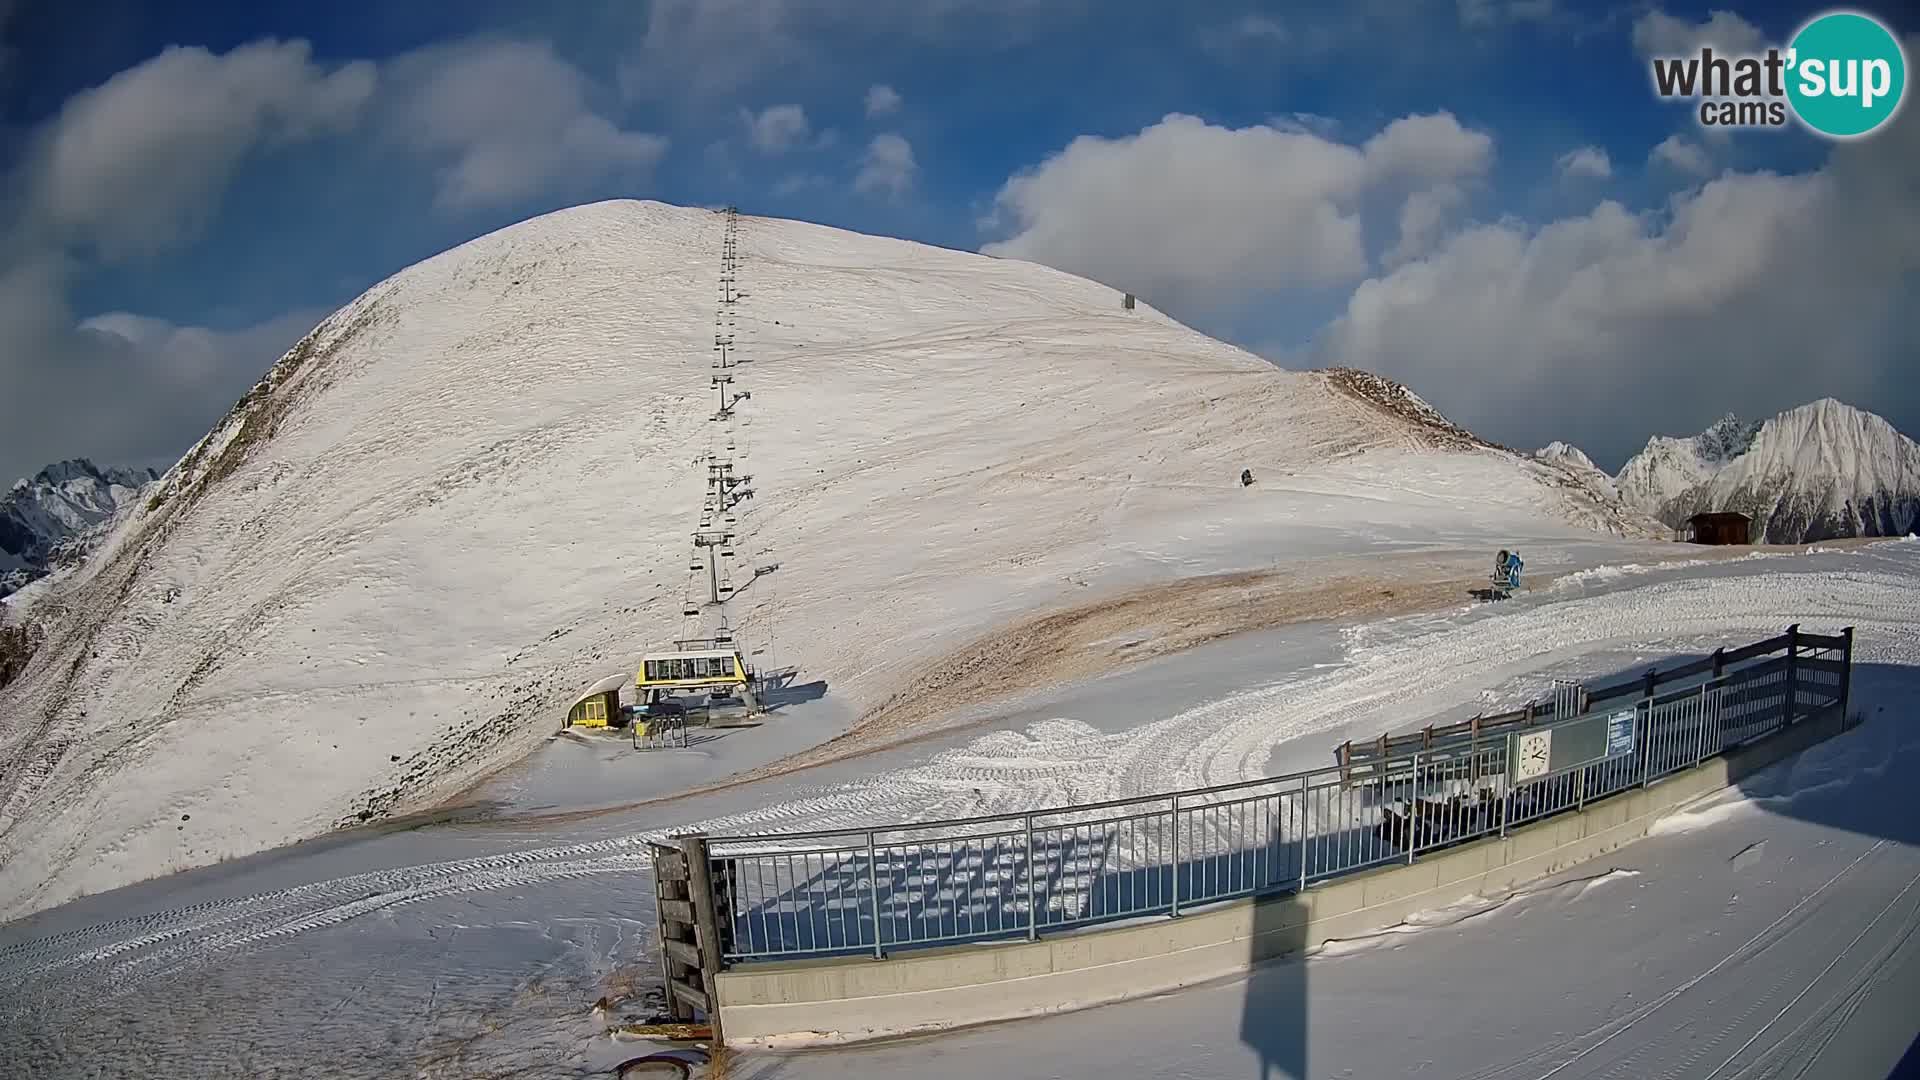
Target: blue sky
1540 296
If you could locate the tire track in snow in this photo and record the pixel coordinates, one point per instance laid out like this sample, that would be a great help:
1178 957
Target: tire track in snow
1385 687
112 951
1053 762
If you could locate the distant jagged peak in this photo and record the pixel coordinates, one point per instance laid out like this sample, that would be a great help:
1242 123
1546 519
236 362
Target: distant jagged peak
65 472
1565 453
1726 438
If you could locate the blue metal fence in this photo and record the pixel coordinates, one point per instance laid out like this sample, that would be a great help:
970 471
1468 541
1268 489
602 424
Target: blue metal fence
886 888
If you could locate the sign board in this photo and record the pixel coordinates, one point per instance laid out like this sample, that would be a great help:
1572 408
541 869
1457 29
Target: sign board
1583 740
1620 732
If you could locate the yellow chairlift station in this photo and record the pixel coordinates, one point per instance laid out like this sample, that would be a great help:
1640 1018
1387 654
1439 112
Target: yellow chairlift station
692 669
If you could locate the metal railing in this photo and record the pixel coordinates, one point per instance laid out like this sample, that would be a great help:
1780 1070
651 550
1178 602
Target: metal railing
874 890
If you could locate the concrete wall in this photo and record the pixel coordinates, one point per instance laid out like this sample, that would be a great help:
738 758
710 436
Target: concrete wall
857 998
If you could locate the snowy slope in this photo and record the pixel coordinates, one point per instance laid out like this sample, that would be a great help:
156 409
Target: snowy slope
480 951
1820 471
471 491
56 508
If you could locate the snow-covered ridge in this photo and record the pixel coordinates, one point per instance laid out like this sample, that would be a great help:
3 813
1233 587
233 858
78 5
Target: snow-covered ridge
48 517
1820 471
471 491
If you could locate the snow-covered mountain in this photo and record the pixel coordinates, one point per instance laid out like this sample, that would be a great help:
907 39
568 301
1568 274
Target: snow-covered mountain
54 512
1576 461
1669 466
472 490
1816 472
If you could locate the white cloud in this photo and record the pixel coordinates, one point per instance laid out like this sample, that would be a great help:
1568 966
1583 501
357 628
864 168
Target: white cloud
118 388
1752 293
888 166
1430 146
1423 218
1657 33
138 164
776 129
882 100
1190 214
1586 162
1680 154
508 120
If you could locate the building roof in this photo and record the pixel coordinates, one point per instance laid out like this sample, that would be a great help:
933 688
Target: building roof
1720 515
611 682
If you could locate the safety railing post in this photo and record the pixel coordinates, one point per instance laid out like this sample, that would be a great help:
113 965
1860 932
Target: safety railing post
873 896
1645 750
1413 812
1793 673
1846 671
1176 856
1033 911
1707 721
1300 832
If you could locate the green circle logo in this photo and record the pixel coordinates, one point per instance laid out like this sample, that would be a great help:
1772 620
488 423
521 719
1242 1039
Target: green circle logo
1846 74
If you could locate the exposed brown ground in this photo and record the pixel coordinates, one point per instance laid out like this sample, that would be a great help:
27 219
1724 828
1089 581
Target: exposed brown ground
1120 630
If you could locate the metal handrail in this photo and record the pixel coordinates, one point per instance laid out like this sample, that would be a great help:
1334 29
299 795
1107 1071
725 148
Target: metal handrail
1017 817
1051 870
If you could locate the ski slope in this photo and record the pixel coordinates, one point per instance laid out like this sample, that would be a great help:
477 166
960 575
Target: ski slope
471 491
478 951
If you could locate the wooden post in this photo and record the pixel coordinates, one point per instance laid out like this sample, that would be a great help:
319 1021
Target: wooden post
706 925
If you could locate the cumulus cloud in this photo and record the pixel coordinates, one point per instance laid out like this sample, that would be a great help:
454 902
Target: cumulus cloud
1754 292
1657 33
1191 214
1423 220
777 128
1586 162
130 169
882 100
138 163
118 388
506 120
1682 155
888 167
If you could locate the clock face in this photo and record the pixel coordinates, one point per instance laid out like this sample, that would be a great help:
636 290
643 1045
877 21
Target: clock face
1532 754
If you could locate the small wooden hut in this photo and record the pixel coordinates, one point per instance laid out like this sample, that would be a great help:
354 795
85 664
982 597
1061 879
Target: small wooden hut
1720 528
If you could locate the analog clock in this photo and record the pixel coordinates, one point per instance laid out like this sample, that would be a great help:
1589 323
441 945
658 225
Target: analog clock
1532 752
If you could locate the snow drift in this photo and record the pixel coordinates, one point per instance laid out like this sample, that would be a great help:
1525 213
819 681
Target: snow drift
471 490
1817 472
